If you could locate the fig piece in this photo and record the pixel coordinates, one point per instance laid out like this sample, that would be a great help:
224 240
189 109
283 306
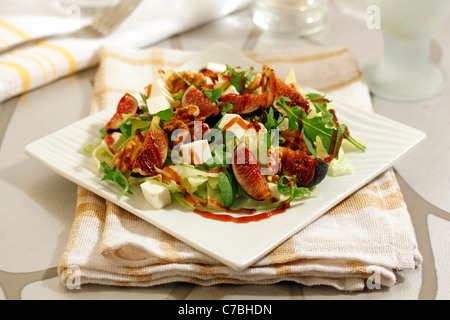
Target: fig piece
280 89
154 150
127 105
248 103
194 96
309 172
247 172
320 174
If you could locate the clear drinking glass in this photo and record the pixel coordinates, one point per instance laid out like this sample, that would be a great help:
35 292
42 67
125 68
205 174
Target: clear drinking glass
405 71
88 6
291 17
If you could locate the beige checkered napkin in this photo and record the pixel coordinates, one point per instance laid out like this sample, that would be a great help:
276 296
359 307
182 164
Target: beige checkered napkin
113 247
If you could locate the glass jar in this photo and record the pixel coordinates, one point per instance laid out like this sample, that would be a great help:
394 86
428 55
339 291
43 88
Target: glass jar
291 17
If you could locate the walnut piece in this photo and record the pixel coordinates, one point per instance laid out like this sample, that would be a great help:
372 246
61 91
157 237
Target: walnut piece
260 80
175 83
188 112
178 129
125 157
274 154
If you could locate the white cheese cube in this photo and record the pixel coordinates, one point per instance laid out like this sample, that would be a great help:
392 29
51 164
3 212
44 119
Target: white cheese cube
254 137
157 104
236 127
159 88
156 194
230 90
217 67
119 139
196 152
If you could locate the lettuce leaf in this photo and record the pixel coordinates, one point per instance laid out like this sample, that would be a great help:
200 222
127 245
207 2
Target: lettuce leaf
340 166
102 154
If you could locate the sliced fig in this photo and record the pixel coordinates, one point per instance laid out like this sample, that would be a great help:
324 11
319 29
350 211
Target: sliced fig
320 174
195 96
248 174
248 103
280 88
154 150
308 171
127 105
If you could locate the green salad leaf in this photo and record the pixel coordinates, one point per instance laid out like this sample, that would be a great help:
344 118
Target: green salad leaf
320 103
293 113
288 185
112 174
165 115
213 94
317 127
228 187
239 78
131 125
323 125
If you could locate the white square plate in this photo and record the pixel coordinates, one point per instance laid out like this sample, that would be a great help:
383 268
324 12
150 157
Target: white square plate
235 245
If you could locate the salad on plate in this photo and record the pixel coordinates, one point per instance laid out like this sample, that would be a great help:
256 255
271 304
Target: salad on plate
230 144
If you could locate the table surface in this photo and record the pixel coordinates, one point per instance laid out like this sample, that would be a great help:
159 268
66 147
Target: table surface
39 205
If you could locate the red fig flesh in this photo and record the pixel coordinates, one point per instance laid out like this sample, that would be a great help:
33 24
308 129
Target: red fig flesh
248 174
154 150
280 89
308 171
194 96
248 103
127 105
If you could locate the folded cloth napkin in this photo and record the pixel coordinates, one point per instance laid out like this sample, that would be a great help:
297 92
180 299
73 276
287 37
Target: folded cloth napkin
363 240
29 68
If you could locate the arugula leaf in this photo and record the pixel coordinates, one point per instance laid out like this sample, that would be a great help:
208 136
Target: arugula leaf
236 82
130 126
230 71
239 78
289 185
317 127
271 122
311 127
103 133
220 159
165 115
329 117
214 95
323 125
143 97
249 75
126 128
228 107
112 174
228 188
293 113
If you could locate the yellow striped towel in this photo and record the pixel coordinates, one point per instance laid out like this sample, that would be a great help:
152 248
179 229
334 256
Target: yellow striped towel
29 68
368 236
